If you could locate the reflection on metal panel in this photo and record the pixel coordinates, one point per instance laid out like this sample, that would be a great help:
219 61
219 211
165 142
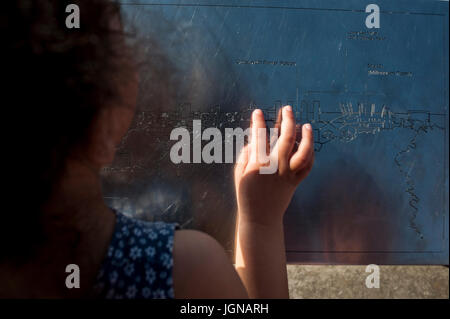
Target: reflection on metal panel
377 100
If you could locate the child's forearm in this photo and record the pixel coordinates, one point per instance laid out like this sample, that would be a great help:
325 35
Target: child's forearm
261 259
262 200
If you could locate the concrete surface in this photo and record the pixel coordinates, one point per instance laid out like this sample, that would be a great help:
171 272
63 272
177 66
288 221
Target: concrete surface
349 282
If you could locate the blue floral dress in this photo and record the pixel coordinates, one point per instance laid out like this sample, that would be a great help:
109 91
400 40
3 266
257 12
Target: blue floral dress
139 261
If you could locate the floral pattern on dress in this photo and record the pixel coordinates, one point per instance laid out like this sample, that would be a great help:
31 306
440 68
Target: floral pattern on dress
139 261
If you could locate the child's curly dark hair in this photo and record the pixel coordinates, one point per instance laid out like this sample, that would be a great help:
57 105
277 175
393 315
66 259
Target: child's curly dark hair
55 81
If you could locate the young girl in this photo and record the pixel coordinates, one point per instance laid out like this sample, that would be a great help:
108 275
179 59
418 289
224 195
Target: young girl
69 97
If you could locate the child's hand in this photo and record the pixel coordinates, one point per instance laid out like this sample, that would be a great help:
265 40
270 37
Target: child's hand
263 198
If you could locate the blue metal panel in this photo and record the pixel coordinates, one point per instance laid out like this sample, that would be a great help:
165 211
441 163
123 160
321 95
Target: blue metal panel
377 100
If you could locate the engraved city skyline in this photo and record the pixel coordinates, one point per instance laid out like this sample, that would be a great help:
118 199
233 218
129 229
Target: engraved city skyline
344 124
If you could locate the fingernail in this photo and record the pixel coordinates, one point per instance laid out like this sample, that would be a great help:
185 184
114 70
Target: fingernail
288 108
308 126
257 112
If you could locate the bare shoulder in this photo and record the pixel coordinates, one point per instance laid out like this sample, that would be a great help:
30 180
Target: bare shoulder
201 268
